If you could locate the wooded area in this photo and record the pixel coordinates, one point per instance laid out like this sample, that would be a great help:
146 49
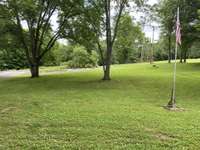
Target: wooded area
28 38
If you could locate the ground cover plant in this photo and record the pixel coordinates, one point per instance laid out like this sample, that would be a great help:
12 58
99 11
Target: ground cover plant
77 110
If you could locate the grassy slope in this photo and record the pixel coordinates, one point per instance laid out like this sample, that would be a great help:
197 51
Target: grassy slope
78 111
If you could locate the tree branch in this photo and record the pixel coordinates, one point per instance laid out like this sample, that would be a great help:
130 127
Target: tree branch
49 45
22 35
45 27
122 4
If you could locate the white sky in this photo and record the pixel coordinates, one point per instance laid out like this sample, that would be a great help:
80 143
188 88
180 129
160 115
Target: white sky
148 30
152 2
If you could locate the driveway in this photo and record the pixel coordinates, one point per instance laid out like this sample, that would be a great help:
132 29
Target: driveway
13 73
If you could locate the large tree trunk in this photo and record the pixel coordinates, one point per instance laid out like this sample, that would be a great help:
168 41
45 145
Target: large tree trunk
185 60
108 59
107 73
151 54
142 53
35 70
181 56
108 42
185 55
110 38
169 48
108 62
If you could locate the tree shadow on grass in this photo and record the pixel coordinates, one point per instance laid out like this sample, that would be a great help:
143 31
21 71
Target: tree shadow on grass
86 81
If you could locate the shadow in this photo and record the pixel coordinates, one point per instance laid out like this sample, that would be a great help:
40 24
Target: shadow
155 81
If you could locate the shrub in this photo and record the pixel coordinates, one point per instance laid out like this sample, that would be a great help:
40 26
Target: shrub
94 58
64 53
82 59
12 59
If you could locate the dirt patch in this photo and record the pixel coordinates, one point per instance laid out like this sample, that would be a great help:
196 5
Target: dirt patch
163 136
177 109
159 135
8 109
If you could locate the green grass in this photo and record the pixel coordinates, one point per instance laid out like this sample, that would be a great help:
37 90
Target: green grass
79 111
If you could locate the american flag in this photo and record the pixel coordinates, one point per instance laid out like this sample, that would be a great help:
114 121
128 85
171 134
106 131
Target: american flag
178 29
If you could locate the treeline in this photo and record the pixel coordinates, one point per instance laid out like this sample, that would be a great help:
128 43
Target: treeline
127 49
189 20
81 22
131 46
98 33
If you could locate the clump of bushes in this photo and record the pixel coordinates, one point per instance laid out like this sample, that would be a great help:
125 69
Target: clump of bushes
12 59
72 56
80 58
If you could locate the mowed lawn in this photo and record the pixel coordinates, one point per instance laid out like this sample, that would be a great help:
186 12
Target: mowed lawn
76 110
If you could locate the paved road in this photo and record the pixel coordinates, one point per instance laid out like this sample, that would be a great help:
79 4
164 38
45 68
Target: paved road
13 73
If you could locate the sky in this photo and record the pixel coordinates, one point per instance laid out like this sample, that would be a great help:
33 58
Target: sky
153 1
149 30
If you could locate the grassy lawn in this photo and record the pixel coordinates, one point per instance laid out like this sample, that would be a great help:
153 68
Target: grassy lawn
76 110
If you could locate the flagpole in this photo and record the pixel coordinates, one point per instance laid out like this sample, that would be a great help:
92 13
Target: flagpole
172 103
174 78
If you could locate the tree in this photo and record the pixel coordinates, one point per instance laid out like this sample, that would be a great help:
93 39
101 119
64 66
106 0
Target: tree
37 16
96 23
161 49
198 21
188 14
166 14
104 17
111 34
195 50
12 55
99 21
128 40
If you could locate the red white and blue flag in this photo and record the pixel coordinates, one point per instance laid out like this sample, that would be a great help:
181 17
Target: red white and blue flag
178 29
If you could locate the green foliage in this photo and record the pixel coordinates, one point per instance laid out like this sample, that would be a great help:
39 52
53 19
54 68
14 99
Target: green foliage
166 12
80 30
82 59
64 53
188 16
195 50
161 48
39 37
128 41
94 58
12 55
198 21
51 57
12 59
160 53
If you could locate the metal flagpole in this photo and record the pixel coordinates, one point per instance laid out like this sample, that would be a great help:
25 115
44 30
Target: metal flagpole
174 79
152 45
172 103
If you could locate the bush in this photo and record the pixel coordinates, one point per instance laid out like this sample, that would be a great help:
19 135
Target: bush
64 53
49 59
12 59
82 59
94 58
